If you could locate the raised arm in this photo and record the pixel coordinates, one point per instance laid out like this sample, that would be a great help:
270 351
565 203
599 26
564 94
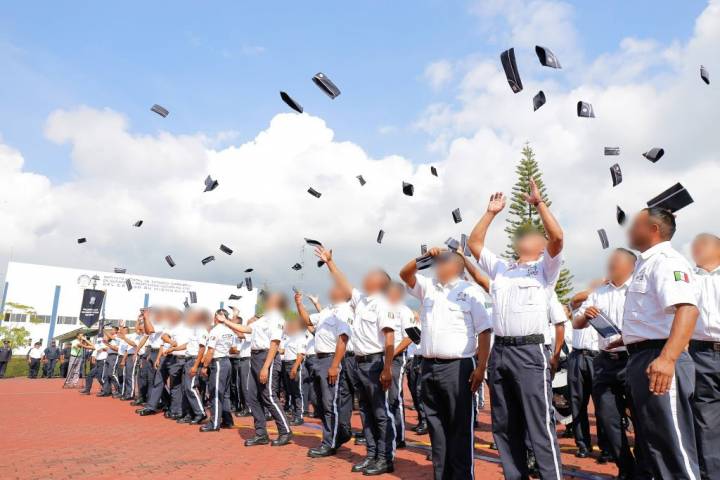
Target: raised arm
407 273
326 255
552 227
302 311
316 302
477 275
236 327
149 328
476 241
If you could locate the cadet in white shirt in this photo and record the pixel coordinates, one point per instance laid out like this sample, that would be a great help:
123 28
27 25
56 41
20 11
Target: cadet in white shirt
266 333
658 321
197 321
216 367
122 355
403 318
110 378
374 345
176 338
413 378
705 351
293 352
131 361
521 367
157 322
610 391
100 355
455 330
332 332
244 314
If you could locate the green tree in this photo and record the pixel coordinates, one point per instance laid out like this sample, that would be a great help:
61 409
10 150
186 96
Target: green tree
524 217
17 336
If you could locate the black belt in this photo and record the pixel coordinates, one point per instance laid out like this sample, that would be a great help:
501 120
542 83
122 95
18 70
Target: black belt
289 362
311 356
190 357
368 358
614 355
324 355
259 350
349 354
587 352
704 345
442 360
538 338
646 345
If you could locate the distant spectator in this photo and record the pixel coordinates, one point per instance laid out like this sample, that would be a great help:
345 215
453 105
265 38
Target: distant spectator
5 356
33 358
64 359
50 359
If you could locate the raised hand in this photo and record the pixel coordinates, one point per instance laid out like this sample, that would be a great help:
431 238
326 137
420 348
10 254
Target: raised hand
497 202
323 254
534 198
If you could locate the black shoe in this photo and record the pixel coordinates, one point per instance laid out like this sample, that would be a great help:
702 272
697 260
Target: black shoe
126 399
268 417
321 451
167 414
360 467
175 416
360 441
136 403
185 419
257 440
421 429
400 444
243 413
282 440
116 395
208 427
569 432
378 467
296 421
604 457
226 425
84 392
342 439
198 420
143 412
103 394
428 457
582 452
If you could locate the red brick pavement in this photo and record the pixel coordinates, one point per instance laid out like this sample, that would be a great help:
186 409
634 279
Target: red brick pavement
48 432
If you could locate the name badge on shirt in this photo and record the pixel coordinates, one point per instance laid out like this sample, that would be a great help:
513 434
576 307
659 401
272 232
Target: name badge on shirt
462 297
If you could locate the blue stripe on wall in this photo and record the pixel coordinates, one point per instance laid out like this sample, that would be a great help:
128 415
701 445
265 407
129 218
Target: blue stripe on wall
146 302
53 317
4 297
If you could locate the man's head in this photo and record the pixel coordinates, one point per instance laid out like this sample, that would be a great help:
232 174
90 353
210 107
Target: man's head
53 344
174 316
529 244
276 301
396 293
37 344
6 343
706 250
292 327
221 314
376 281
337 294
449 265
197 317
651 226
620 265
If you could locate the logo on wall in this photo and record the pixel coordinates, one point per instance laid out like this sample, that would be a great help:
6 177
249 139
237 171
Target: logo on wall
91 307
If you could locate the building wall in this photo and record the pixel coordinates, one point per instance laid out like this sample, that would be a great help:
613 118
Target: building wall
36 285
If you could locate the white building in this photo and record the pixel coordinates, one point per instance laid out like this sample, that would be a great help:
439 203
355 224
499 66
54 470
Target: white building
46 300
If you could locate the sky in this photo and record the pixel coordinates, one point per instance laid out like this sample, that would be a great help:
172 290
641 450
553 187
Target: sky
82 155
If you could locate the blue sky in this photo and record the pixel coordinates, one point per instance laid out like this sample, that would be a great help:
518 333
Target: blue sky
218 66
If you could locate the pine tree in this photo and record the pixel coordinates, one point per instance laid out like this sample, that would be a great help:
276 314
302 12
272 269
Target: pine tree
524 217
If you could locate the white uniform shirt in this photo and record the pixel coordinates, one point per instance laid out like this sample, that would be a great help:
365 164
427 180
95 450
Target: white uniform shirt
155 339
122 347
310 344
246 306
35 353
101 349
266 329
453 316
371 317
181 335
115 342
330 323
662 279
519 293
404 318
136 338
220 339
610 300
293 346
198 337
708 323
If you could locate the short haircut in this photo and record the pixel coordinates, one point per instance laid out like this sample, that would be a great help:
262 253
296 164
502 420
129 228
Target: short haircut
627 252
387 278
709 236
664 219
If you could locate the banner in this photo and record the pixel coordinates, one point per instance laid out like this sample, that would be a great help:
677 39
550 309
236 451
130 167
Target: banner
91 307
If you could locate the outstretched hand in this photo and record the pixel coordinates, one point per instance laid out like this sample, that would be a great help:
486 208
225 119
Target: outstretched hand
534 198
323 254
497 202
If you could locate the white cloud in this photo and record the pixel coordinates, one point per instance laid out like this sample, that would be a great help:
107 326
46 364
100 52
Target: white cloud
438 74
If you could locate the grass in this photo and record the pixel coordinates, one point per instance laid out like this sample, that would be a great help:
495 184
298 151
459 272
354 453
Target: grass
18 367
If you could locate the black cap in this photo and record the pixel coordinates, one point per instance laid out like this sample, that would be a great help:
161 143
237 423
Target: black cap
169 260
584 109
208 259
457 218
408 189
326 85
616 174
414 334
234 297
248 270
704 74
380 236
82 240
612 151
507 58
464 245
620 215
603 238
314 192
546 57
160 110
673 199
361 180
186 304
225 249
128 284
210 184
248 283
138 223
423 249
193 296
452 244
240 285
433 171
291 103
654 154
312 242
424 261
297 267
119 270
539 100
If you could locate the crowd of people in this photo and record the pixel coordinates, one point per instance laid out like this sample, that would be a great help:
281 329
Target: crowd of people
645 348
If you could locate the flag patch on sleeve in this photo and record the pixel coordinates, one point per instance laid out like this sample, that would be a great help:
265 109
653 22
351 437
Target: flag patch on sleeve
682 277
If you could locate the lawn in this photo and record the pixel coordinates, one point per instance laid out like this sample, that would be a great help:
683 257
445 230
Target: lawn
18 367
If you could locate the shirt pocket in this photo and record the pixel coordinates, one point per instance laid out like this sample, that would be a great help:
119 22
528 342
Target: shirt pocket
528 296
459 312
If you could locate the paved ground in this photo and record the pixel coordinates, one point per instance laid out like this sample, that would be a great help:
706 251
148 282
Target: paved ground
48 432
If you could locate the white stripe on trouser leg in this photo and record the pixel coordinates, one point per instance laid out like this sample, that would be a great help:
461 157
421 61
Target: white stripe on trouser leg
401 409
114 370
472 432
672 396
270 396
217 387
196 394
391 417
547 412
335 410
300 388
132 377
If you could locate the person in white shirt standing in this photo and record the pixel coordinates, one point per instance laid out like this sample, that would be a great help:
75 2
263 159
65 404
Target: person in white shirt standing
176 339
705 351
292 358
33 359
521 366
197 320
110 376
131 362
455 332
374 346
156 323
216 367
658 321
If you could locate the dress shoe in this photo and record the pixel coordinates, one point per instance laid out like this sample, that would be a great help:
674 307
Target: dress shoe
360 441
185 419
136 403
175 416
268 416
84 392
421 429
321 451
103 394
208 427
126 399
167 414
243 413
582 452
604 457
282 440
360 467
257 440
378 467
296 421
198 420
116 395
143 412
